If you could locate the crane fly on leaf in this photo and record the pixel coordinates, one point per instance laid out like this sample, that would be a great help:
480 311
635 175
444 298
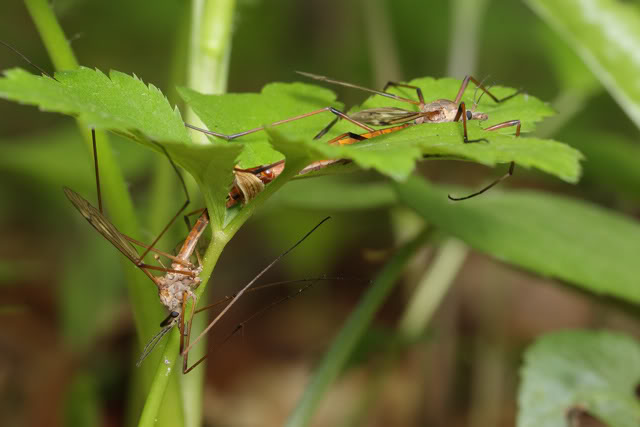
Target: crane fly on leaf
439 111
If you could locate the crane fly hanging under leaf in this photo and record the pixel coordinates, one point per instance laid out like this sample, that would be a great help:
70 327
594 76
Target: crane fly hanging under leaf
178 283
176 287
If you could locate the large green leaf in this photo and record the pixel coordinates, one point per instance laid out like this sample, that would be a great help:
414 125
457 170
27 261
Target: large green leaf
571 240
233 113
394 154
597 372
124 104
606 35
116 102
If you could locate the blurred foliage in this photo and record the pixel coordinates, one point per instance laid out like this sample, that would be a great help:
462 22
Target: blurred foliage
595 372
70 280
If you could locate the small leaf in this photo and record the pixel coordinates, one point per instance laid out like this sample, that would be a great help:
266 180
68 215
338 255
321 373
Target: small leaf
595 371
571 240
606 35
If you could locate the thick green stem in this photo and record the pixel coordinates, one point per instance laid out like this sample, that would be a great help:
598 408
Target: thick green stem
207 71
466 18
210 49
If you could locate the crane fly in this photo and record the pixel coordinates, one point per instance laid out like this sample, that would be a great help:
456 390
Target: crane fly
176 287
439 111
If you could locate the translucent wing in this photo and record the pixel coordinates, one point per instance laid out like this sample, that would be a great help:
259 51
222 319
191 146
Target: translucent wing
102 225
385 116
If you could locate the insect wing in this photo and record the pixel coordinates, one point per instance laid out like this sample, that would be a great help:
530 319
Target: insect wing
385 116
102 225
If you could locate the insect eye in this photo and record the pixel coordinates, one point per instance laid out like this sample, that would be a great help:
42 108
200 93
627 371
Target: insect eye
469 115
169 318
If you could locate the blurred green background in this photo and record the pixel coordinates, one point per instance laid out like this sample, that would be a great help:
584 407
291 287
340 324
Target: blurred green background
67 340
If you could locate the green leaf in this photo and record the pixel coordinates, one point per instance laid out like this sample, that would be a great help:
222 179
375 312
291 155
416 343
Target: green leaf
595 371
574 241
606 35
445 139
117 102
232 113
395 154
126 105
612 160
334 194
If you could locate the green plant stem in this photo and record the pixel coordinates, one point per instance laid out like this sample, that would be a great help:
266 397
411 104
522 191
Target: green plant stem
210 50
170 353
207 71
351 333
466 17
425 299
52 35
115 194
433 287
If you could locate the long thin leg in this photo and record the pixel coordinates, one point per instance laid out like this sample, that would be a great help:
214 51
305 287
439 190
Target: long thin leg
240 326
248 285
354 86
462 113
281 122
511 165
416 88
95 166
182 208
159 252
27 60
184 338
478 84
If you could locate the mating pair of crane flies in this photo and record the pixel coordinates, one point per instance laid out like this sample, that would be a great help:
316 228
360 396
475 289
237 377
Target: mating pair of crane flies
176 286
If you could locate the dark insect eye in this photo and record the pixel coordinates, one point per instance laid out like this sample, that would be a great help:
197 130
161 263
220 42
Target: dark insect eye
169 318
469 115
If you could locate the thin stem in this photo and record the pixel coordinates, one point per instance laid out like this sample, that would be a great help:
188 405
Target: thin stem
351 333
433 287
52 35
466 17
210 49
116 196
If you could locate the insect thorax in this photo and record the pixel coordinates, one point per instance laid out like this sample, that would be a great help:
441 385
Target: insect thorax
174 287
